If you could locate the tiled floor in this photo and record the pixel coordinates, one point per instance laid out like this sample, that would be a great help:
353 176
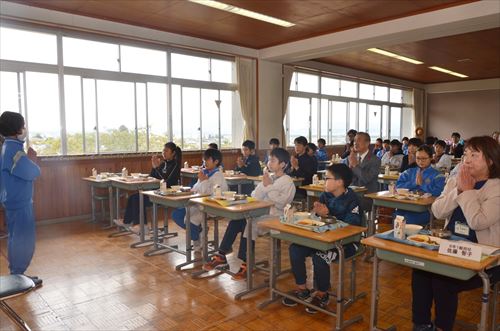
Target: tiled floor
92 282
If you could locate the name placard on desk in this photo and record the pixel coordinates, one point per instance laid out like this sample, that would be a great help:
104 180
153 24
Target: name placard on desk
460 249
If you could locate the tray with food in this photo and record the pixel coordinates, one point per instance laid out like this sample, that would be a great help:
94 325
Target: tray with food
170 192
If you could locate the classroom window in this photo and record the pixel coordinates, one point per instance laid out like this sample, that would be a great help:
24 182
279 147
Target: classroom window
143 61
116 96
342 105
27 46
42 117
104 56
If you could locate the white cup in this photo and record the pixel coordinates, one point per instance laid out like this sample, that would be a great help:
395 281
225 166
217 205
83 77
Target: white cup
229 195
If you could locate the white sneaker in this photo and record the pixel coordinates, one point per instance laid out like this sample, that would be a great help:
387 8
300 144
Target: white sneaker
137 229
119 222
197 245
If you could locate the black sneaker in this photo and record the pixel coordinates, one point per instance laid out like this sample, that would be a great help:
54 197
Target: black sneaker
38 281
319 301
300 294
423 327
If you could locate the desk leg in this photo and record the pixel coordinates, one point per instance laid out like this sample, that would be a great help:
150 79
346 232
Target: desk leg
111 213
308 202
374 298
117 201
274 272
122 231
239 188
188 240
204 239
371 231
141 216
485 306
92 202
340 289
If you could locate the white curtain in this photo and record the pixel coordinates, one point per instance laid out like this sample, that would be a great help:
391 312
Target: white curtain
287 79
245 75
419 111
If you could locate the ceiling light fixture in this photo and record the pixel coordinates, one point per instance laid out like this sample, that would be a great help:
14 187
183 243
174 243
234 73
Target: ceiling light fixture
243 12
394 55
449 72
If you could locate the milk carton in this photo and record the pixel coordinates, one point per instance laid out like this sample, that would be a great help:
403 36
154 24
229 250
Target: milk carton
163 186
124 172
315 180
399 227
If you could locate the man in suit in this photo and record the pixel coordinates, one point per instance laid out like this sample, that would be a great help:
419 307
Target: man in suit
365 166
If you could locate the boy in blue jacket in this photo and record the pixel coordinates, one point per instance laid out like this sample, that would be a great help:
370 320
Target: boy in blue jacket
341 202
18 172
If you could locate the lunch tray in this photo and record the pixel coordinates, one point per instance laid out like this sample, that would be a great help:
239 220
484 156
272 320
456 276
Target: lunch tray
389 235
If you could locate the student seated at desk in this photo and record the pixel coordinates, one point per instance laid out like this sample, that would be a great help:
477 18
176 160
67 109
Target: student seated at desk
339 201
456 148
311 151
386 147
277 188
440 160
248 164
349 141
410 159
377 147
273 143
321 153
303 165
470 203
394 157
422 178
169 170
208 177
405 142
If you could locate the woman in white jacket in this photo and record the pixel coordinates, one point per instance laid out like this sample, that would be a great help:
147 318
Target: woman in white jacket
279 189
470 203
208 178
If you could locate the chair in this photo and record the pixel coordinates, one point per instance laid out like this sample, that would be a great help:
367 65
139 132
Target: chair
496 293
12 286
353 297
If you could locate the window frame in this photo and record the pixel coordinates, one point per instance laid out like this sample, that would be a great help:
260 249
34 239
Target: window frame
20 68
293 92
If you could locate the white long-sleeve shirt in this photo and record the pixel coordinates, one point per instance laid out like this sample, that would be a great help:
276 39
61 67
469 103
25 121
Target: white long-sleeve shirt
206 187
393 161
280 192
444 162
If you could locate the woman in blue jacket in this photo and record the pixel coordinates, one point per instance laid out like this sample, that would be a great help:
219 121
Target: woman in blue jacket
18 171
422 178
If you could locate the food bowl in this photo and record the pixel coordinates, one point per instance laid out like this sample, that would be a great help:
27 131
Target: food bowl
229 195
411 229
176 188
240 197
394 173
301 215
329 220
143 175
441 233
403 191
135 174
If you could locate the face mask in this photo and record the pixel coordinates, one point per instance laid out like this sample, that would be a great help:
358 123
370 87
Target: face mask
22 137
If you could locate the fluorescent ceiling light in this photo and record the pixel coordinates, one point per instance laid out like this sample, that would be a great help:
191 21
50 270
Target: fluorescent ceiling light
394 55
243 12
449 72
